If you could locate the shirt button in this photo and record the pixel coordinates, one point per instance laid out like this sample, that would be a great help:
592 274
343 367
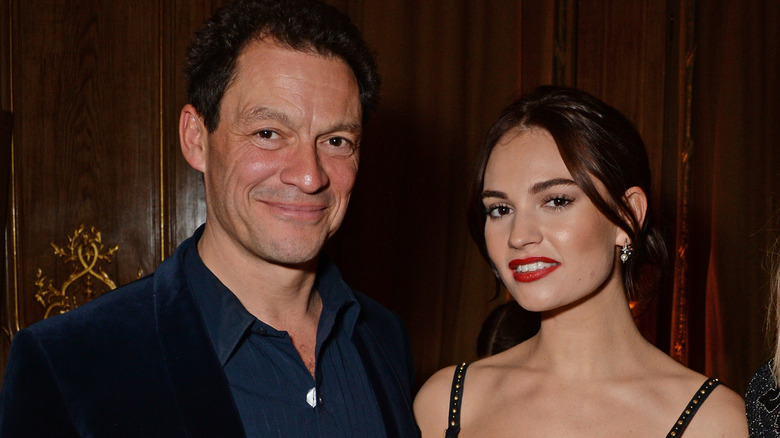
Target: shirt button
311 397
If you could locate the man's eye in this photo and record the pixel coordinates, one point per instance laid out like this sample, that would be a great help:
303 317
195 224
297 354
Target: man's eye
339 146
266 133
337 141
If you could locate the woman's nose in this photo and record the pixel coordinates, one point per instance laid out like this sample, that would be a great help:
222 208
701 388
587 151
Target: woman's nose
525 231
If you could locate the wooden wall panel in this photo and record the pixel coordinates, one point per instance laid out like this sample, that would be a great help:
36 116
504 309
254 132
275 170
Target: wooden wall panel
184 198
82 79
6 127
5 105
86 143
96 88
5 55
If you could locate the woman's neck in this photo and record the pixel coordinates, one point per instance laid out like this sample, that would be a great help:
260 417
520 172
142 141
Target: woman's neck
591 338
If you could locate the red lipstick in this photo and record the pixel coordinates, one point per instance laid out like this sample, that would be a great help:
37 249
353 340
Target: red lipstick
532 268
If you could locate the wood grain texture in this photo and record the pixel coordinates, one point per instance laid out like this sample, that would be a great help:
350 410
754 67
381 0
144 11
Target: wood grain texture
184 195
86 93
5 55
7 304
96 88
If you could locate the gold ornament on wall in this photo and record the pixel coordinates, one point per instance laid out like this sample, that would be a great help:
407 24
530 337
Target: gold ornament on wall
86 252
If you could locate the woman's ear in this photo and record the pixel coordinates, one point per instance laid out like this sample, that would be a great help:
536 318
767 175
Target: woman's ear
193 137
636 199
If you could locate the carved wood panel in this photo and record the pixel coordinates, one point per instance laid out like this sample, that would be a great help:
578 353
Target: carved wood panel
95 88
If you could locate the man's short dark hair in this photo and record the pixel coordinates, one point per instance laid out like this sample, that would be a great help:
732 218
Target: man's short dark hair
302 25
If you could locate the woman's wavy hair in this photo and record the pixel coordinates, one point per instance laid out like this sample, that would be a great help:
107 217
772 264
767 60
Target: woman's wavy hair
773 322
596 142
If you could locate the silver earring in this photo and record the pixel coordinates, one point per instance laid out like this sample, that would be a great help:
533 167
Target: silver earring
626 252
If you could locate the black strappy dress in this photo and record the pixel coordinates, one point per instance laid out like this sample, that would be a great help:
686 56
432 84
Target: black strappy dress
456 396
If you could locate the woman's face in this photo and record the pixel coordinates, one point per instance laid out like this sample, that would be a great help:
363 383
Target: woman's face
550 245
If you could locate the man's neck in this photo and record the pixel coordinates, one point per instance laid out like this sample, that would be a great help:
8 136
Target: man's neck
279 295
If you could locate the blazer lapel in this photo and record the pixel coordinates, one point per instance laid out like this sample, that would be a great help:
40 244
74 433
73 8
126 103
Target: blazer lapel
202 391
394 402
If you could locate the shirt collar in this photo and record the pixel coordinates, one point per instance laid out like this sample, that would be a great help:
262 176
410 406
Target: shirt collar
338 301
227 320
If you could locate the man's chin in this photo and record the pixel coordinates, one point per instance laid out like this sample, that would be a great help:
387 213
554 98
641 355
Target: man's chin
304 257
300 264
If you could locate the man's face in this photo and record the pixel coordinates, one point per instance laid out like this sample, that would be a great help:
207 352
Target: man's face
280 167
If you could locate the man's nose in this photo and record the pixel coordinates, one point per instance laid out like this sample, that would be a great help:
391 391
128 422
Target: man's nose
304 170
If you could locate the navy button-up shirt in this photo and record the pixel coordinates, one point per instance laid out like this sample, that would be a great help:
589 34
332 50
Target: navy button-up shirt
272 388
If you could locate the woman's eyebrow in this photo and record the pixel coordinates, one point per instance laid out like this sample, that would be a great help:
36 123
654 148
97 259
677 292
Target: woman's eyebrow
493 194
544 185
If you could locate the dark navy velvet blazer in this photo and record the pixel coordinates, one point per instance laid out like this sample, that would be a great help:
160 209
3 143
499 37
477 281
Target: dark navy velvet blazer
138 362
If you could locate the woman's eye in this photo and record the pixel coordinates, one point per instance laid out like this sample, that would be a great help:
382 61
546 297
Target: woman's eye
498 211
558 202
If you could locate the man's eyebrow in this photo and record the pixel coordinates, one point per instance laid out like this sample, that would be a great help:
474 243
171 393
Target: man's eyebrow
354 128
265 113
544 185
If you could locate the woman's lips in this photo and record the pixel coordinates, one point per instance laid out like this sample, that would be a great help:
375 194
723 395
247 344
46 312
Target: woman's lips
532 268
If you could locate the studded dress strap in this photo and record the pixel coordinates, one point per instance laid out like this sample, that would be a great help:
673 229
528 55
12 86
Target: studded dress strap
693 406
456 396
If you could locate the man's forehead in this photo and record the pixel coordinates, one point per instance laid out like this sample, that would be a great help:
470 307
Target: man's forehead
269 43
266 59
275 82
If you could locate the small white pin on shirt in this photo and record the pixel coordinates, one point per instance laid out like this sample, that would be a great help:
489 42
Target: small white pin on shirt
311 397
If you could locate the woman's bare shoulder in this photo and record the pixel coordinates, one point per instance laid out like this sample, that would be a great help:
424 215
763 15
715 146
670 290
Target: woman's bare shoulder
431 405
721 415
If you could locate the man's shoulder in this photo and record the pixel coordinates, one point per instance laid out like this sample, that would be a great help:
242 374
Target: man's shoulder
129 305
377 314
384 325
381 335
370 305
125 304
371 311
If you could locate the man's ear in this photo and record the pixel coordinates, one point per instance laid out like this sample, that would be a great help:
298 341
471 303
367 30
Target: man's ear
193 137
636 199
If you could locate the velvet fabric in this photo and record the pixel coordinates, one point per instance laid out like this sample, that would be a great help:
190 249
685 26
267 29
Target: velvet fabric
138 362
